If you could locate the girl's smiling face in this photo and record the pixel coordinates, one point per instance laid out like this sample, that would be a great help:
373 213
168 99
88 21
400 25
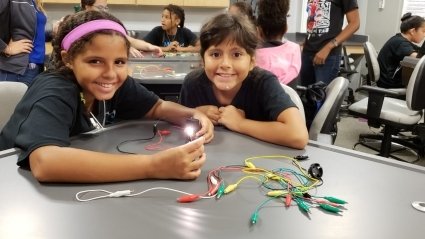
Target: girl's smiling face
227 65
101 68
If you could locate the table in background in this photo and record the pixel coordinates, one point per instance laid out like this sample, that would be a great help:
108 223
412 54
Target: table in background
164 75
379 192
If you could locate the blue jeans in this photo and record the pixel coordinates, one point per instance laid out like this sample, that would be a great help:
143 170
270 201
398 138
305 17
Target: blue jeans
311 74
26 78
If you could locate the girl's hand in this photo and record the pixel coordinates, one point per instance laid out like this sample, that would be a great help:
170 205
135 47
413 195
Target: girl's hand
211 111
156 50
183 162
135 53
207 128
231 117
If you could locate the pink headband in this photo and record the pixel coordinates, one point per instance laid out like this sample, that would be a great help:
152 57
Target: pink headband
90 27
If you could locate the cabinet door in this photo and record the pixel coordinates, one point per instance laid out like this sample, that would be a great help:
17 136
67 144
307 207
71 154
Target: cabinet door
61 1
122 2
160 2
206 3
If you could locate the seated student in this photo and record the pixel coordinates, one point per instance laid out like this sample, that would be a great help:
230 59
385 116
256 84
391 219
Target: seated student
412 29
283 58
172 35
91 81
234 93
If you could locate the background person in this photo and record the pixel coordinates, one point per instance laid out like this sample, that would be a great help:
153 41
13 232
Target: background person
172 35
282 57
412 30
22 40
321 54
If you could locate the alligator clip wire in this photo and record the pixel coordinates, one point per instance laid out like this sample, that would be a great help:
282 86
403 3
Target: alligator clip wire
188 198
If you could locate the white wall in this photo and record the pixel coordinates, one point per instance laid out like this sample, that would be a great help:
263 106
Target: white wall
383 23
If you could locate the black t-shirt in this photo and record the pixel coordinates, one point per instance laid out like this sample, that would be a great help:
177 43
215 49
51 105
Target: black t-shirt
159 37
324 23
51 112
261 96
389 57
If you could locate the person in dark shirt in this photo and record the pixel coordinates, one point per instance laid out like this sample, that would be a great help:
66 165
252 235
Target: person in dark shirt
412 30
321 55
91 84
172 35
233 92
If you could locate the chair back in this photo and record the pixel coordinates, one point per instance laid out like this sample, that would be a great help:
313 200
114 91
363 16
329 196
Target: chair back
371 56
326 118
10 95
415 92
295 98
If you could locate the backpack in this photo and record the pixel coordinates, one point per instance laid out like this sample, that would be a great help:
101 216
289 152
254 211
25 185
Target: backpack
312 98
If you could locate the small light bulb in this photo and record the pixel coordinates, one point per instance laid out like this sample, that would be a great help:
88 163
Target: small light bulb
190 131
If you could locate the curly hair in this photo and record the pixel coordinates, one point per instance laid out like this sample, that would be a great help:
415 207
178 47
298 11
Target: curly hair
224 26
178 11
409 21
272 17
68 24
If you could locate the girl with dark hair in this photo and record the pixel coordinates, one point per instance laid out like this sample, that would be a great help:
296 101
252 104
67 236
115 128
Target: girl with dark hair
282 57
412 30
233 92
172 35
89 88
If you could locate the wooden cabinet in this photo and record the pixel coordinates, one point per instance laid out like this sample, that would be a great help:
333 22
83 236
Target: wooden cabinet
182 3
121 2
206 3
61 1
160 2
112 2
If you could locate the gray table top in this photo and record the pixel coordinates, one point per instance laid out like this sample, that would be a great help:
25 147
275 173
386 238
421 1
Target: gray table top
379 193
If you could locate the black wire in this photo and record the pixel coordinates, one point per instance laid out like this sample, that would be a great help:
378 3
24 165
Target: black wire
155 131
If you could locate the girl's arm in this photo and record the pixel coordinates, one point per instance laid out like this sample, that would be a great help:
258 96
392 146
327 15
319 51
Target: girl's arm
190 48
288 130
65 164
144 46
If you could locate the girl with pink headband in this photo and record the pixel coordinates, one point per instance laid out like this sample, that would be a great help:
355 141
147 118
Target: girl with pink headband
89 88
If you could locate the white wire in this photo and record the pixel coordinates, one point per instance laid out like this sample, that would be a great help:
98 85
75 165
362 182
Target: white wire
126 193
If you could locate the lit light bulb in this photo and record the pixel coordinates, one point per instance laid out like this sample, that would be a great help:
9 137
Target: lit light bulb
190 132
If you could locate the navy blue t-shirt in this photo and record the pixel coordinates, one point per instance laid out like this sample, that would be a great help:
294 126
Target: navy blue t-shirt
159 37
52 111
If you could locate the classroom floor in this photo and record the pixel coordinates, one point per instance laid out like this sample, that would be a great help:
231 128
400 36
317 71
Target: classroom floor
349 129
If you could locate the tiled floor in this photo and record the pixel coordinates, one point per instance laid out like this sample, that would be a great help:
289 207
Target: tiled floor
349 129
